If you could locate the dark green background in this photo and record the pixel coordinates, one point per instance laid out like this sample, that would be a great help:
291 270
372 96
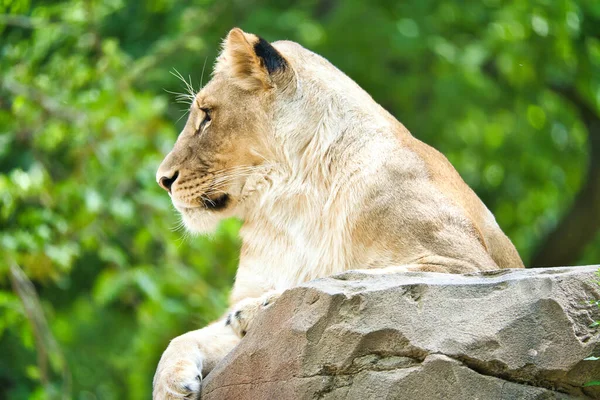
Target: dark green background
508 90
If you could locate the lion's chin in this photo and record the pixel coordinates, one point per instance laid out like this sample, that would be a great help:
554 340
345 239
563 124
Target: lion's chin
200 220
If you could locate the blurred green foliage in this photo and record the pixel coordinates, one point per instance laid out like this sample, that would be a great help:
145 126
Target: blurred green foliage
85 118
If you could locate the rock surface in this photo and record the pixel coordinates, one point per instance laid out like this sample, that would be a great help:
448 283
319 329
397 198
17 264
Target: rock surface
508 334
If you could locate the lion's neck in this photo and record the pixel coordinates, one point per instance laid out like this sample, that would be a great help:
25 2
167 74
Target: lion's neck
290 241
301 227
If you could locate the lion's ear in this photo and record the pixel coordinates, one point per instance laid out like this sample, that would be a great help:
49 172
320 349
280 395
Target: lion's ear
250 60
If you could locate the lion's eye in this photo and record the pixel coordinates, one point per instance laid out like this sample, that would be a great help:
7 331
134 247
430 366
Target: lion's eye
206 121
206 114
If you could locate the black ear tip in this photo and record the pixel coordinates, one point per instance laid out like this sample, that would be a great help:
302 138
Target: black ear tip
271 57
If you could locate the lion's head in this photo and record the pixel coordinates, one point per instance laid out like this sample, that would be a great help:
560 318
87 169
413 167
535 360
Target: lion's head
219 157
267 107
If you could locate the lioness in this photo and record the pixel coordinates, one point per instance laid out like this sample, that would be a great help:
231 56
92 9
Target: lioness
325 181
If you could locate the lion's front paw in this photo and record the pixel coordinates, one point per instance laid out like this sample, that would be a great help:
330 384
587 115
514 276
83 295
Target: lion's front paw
243 313
179 372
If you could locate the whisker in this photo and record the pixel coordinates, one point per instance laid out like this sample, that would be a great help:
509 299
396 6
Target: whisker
214 191
202 75
185 234
237 168
229 178
183 238
178 226
189 86
176 74
234 172
182 115
206 199
182 98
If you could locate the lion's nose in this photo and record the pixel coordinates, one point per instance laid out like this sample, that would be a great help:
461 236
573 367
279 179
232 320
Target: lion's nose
165 182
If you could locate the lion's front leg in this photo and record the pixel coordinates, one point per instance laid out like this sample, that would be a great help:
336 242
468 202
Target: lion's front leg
243 314
189 358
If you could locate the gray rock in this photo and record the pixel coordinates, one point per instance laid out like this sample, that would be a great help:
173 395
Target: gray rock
508 334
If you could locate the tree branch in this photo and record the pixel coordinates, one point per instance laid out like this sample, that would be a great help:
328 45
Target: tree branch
46 102
21 21
581 223
45 343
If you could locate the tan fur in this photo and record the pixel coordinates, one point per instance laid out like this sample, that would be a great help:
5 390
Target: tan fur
239 61
325 181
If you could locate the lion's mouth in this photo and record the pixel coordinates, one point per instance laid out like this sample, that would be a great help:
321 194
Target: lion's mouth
216 203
